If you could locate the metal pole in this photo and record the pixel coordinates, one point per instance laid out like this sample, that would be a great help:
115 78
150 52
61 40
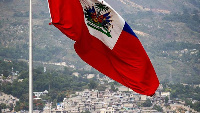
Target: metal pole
30 61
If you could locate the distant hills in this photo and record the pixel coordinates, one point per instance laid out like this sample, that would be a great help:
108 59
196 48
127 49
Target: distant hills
168 29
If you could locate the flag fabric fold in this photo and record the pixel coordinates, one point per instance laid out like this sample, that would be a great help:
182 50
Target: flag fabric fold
106 42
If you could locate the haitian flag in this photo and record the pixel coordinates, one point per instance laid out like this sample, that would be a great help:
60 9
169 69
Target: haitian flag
106 42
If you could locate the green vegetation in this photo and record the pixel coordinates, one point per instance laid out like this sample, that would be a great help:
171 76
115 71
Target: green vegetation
147 103
195 105
158 108
20 14
182 57
93 84
6 1
191 19
6 66
195 2
113 88
166 100
187 93
21 52
174 45
38 104
1 24
3 106
59 83
13 53
183 92
86 112
47 53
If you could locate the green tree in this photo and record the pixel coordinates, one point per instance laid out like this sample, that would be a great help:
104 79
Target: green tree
86 111
17 107
166 100
101 7
158 108
101 88
113 88
2 106
147 103
61 96
5 73
92 84
38 104
196 106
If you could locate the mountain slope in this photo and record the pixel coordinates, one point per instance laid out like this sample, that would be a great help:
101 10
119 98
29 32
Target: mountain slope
168 30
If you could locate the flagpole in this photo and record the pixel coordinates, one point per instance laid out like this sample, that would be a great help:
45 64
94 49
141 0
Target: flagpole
30 61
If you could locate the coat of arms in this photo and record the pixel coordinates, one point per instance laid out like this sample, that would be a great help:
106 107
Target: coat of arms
98 17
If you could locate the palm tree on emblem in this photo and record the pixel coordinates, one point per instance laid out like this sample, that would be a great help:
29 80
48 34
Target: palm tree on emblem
101 7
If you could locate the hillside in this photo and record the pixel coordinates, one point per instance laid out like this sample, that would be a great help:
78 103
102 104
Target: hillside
168 30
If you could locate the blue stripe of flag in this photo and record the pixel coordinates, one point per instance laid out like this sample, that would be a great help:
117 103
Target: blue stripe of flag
128 29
